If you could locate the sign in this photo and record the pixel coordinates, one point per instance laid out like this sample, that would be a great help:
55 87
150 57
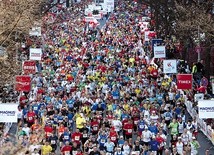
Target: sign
184 81
89 19
206 108
198 97
8 113
212 83
146 35
29 67
159 52
156 42
35 31
169 66
109 4
204 82
98 16
35 53
23 83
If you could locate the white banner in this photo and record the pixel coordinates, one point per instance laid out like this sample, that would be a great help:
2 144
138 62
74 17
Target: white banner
146 35
213 87
206 108
8 112
35 53
35 31
169 66
109 4
198 97
159 52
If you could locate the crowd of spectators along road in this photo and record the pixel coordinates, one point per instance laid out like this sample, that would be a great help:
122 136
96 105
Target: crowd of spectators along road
96 92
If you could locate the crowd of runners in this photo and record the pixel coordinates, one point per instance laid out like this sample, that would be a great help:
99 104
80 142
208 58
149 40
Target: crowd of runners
96 92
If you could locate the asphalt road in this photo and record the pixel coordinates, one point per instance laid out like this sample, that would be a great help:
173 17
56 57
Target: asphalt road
203 140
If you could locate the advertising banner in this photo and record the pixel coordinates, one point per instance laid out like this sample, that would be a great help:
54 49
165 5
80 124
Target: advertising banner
212 83
29 67
159 52
146 35
8 113
206 109
169 66
35 53
109 4
23 83
184 81
156 42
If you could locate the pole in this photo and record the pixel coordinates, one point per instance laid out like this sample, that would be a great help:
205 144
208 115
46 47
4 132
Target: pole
199 40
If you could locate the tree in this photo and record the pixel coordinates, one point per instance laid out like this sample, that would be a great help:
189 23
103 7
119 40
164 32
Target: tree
16 19
195 22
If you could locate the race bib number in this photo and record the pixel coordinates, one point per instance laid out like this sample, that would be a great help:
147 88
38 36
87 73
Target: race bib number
141 126
174 129
85 135
95 128
129 130
48 134
77 138
103 140
74 152
113 138
70 121
67 152
30 118
53 142
66 137
35 108
162 144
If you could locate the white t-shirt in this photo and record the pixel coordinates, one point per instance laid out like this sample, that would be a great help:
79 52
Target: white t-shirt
19 114
126 149
146 136
26 130
117 125
154 118
33 147
180 147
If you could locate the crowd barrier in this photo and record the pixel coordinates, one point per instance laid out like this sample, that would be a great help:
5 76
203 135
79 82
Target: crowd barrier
7 127
206 129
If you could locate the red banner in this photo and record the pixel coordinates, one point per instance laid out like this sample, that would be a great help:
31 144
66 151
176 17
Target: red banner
29 67
184 81
23 83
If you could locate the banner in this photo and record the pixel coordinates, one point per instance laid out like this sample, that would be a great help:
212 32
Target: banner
206 108
198 97
23 83
212 83
35 53
146 35
109 4
29 67
159 52
156 42
35 31
169 66
184 81
8 113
